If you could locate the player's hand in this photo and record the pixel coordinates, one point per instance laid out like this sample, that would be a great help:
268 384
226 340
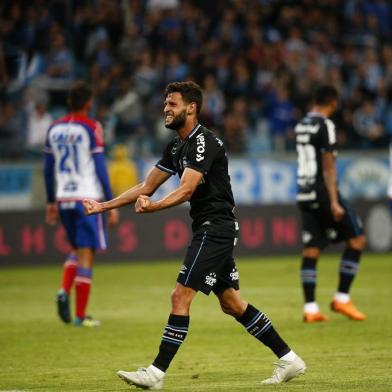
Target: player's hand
92 207
113 217
142 204
51 214
337 211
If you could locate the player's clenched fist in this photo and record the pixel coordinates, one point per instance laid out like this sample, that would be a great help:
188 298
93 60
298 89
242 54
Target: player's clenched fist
91 207
142 204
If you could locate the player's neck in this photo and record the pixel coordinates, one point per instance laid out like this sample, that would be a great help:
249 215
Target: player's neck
83 113
321 110
187 129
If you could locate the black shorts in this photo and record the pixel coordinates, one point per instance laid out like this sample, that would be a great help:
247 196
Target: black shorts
209 264
319 228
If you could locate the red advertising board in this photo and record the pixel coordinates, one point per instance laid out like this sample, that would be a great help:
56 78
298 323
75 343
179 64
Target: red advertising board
264 230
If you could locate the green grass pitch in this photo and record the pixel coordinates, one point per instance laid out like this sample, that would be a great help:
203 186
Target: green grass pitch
39 353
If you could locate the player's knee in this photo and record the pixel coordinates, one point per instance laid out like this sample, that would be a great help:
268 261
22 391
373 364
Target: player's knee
312 253
235 309
357 243
180 301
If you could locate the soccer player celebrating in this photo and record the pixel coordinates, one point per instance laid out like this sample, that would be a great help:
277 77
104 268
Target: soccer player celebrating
199 158
75 169
326 216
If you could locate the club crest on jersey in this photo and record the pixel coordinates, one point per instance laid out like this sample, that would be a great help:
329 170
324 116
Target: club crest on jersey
200 147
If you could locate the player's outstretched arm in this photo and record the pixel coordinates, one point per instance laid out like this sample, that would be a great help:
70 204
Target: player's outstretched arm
190 179
154 180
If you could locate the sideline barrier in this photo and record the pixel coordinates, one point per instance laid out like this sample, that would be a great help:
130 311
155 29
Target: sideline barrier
264 230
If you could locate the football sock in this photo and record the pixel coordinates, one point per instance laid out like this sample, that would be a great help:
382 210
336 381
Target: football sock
158 372
348 269
173 335
69 272
309 278
83 285
290 356
311 307
342 297
260 326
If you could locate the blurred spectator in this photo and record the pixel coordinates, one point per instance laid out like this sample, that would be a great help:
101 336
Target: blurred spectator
12 125
270 54
368 124
146 76
122 171
213 101
235 127
281 117
127 107
58 64
38 122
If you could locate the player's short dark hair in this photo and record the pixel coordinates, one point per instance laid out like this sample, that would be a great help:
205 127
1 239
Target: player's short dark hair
190 92
325 94
79 94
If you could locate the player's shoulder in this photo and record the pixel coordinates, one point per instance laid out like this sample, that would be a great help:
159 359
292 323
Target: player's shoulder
207 137
59 121
87 122
312 123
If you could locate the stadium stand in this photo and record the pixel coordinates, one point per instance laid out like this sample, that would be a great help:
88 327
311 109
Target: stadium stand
257 61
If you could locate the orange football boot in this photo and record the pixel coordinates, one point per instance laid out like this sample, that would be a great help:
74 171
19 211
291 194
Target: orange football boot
348 309
315 317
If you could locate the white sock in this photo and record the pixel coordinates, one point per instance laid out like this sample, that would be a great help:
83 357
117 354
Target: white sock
311 307
290 356
342 297
157 372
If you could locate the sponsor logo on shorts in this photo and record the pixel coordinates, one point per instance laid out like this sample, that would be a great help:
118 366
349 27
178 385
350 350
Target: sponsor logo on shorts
331 234
183 269
306 237
234 275
211 279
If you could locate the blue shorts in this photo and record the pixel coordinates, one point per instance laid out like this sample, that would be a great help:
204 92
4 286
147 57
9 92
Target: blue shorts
83 231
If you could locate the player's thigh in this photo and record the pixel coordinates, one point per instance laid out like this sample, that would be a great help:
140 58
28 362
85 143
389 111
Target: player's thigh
90 230
350 226
228 276
204 260
314 226
68 219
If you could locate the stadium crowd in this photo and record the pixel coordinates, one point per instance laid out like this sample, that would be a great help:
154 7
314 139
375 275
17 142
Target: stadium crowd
257 61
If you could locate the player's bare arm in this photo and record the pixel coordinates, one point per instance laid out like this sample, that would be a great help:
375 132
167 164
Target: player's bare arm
190 179
154 180
330 179
51 214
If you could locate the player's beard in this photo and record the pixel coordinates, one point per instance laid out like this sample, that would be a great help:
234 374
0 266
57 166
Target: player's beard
178 121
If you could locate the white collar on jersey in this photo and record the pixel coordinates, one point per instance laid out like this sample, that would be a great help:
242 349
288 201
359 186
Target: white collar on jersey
316 114
197 126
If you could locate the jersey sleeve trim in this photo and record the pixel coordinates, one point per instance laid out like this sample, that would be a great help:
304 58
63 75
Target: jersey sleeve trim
197 168
165 169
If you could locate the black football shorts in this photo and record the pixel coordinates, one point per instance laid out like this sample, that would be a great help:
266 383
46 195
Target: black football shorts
209 264
319 228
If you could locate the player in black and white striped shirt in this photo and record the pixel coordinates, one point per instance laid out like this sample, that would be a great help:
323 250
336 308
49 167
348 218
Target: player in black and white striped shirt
326 216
